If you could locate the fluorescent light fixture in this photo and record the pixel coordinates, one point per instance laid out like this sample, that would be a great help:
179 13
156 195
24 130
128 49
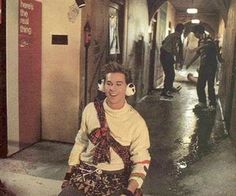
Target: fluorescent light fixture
192 10
195 21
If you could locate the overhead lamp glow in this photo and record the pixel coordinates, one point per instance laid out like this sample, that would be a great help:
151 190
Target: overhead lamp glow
195 21
192 10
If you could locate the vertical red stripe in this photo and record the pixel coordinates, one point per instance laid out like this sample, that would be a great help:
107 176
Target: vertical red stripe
29 71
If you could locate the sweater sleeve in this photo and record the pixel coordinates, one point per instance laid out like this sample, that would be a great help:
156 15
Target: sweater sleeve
81 142
139 153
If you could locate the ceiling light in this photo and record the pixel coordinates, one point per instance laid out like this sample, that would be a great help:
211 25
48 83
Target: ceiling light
192 10
195 21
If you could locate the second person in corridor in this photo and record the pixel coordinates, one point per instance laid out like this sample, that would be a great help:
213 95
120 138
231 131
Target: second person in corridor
171 53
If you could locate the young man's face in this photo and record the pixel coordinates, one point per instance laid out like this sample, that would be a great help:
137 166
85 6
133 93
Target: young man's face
115 88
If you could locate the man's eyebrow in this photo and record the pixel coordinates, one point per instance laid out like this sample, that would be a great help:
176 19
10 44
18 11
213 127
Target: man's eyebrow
117 82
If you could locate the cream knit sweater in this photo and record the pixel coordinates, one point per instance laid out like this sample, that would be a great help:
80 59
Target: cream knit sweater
127 127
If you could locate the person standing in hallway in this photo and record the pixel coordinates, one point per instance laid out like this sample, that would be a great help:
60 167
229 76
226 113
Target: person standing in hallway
207 52
171 53
110 155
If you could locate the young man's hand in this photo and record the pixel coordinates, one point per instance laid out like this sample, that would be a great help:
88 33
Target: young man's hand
126 192
65 184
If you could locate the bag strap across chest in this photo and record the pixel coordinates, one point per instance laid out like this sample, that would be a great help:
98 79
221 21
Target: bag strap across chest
103 140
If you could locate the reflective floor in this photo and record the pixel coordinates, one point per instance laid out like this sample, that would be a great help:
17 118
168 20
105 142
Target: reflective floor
180 138
191 152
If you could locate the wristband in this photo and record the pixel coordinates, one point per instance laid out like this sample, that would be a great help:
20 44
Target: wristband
127 192
67 176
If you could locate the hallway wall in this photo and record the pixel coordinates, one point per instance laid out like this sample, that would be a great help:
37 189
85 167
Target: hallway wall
171 18
12 74
166 22
60 72
96 14
138 46
221 31
23 39
227 92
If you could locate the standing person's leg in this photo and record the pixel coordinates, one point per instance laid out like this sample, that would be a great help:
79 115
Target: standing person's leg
164 64
168 84
201 84
167 65
171 76
166 79
211 88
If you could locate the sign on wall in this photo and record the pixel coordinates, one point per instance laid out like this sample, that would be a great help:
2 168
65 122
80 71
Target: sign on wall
29 71
26 13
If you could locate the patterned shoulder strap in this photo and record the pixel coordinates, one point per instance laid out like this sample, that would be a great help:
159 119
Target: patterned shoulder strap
100 112
122 151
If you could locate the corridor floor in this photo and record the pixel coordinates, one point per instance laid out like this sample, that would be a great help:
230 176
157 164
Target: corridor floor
191 153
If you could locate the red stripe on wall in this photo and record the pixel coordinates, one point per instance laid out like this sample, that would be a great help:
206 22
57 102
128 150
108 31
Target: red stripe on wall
29 71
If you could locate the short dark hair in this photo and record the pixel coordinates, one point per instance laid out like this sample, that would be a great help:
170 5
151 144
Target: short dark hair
179 27
114 67
198 29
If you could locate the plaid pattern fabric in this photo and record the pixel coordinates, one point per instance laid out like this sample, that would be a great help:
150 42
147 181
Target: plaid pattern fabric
100 138
100 112
122 151
94 182
103 140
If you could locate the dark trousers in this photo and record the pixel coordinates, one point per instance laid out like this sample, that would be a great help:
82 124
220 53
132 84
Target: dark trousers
206 75
167 62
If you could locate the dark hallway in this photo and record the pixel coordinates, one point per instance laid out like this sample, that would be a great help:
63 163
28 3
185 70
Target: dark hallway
191 152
